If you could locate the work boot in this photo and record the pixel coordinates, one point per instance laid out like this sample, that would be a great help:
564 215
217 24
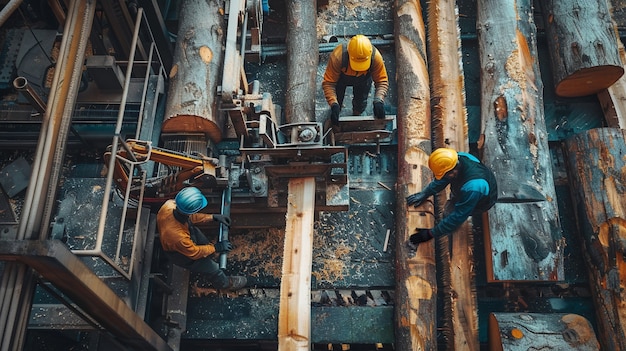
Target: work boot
236 282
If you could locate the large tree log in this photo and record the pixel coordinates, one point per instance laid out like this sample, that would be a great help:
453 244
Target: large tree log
538 331
613 98
449 127
416 286
198 55
302 61
583 61
597 170
514 142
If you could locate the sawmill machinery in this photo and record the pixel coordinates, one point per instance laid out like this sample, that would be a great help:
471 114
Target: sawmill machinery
94 234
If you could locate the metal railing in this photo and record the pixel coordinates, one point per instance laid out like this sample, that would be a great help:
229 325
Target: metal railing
138 175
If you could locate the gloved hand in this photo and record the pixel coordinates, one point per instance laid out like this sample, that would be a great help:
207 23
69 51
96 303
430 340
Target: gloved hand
223 246
225 220
334 113
379 109
421 236
416 199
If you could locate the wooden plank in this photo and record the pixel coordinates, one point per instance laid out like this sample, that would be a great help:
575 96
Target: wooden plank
449 116
526 238
416 282
294 318
584 62
596 167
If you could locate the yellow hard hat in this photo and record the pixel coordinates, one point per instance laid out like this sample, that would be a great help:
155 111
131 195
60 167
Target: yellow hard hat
360 53
442 160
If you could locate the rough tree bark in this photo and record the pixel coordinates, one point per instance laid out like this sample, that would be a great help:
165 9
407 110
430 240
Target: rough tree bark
449 127
302 61
537 331
198 56
597 171
416 286
514 144
583 61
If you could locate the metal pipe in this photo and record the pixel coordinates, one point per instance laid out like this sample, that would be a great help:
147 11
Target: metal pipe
8 10
21 84
226 197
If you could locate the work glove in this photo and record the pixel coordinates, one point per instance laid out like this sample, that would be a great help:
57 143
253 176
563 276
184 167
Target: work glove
334 113
416 199
223 246
225 220
421 236
379 109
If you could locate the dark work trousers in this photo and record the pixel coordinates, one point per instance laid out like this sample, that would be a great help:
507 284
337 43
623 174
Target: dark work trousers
360 87
209 268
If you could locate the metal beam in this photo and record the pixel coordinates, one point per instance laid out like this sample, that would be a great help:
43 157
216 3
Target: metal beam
57 264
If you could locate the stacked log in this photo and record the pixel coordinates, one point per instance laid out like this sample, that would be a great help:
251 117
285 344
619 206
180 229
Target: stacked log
597 170
525 240
416 284
587 61
449 127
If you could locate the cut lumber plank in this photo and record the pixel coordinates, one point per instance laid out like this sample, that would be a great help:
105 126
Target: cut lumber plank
294 317
525 239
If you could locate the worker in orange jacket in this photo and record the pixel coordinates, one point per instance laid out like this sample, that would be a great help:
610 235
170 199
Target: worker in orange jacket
185 245
356 64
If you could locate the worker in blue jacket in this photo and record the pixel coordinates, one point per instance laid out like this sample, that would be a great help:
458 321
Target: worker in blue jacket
473 189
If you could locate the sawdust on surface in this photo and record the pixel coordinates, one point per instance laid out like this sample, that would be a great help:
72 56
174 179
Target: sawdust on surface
340 10
259 246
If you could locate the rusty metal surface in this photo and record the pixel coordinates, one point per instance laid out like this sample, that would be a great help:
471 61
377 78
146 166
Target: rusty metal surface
56 263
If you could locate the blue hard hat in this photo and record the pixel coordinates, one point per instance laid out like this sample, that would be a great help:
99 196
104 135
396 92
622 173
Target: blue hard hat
190 200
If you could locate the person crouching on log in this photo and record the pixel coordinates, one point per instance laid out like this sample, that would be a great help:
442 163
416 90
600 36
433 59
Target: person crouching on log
473 190
356 64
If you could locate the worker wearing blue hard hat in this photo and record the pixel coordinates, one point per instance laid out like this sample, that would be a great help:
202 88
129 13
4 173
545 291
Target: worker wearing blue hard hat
185 245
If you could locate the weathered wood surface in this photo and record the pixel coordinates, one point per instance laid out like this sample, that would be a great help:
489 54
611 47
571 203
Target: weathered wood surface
597 170
449 126
583 61
536 331
302 59
416 287
294 315
525 241
196 70
613 98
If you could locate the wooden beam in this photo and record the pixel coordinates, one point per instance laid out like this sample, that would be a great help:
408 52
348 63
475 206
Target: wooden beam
525 238
416 287
294 316
449 125
596 168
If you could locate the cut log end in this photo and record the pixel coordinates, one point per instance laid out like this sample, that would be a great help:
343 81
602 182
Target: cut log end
589 81
192 124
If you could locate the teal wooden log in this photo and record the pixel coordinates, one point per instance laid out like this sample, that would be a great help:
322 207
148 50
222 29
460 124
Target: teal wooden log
597 171
587 61
537 331
525 241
